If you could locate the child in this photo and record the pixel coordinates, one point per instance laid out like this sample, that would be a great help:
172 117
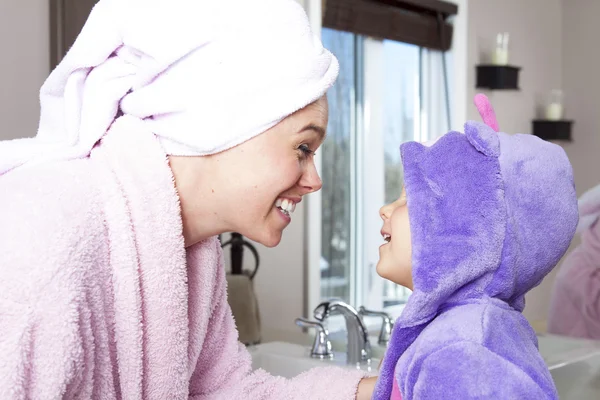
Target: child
483 218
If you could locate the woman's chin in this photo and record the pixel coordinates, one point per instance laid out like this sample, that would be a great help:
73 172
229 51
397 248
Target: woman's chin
268 238
272 239
271 244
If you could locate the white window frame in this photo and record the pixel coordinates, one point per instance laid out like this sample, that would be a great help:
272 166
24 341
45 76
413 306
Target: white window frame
428 126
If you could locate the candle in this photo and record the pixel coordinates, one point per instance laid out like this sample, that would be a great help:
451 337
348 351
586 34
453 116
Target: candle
554 111
554 105
500 55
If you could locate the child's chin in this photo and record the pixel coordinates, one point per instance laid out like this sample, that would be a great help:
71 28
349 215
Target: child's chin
382 271
391 273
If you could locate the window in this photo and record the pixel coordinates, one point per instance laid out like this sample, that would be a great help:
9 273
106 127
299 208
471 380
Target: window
386 94
337 171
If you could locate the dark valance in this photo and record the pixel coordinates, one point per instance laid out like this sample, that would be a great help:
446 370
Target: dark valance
419 22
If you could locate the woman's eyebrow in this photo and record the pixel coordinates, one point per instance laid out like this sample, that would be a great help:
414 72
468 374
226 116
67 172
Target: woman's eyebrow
316 128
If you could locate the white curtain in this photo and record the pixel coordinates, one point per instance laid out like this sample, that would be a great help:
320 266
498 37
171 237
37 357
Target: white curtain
434 114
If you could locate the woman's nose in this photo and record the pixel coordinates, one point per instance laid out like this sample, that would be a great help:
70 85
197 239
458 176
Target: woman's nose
310 180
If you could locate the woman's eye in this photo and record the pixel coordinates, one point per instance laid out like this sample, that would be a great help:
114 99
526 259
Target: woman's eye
306 151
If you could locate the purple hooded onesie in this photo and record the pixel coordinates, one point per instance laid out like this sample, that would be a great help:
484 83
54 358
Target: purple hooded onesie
490 215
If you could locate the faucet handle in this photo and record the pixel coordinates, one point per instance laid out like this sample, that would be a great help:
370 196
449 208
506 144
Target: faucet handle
321 346
386 327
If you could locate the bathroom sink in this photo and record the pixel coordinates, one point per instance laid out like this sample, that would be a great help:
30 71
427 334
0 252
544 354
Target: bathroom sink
338 343
288 360
574 365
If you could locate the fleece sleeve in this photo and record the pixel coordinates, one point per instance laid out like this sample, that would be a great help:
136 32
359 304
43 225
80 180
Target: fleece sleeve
224 370
467 370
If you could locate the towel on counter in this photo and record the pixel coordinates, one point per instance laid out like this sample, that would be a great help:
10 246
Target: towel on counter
490 215
575 301
244 306
100 300
201 77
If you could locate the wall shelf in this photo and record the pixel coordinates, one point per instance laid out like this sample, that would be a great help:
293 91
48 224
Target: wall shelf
553 130
498 77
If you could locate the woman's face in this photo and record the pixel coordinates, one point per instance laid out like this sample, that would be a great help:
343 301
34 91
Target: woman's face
395 255
255 186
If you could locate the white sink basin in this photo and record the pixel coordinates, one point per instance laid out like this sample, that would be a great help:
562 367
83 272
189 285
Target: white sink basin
574 365
288 360
338 343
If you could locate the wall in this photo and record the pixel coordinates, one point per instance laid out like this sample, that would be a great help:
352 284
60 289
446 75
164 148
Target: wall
535 28
581 64
551 41
24 64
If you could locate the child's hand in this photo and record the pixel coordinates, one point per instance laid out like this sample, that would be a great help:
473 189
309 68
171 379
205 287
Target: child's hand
365 388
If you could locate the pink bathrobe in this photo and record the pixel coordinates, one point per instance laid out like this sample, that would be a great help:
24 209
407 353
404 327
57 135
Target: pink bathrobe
575 303
99 298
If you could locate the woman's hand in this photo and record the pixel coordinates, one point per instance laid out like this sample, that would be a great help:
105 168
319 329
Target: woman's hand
365 388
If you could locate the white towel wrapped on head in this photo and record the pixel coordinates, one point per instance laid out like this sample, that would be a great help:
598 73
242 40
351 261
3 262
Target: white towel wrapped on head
202 75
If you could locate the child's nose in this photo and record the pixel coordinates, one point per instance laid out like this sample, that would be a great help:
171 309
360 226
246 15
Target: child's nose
386 211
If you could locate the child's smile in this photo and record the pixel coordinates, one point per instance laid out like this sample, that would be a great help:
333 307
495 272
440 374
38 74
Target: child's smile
395 254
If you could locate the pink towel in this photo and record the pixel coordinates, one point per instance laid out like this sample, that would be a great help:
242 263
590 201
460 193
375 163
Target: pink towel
99 299
575 302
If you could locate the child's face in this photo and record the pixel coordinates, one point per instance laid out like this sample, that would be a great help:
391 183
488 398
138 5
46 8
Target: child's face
395 256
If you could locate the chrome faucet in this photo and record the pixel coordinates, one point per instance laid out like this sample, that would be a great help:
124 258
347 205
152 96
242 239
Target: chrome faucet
321 346
386 327
359 348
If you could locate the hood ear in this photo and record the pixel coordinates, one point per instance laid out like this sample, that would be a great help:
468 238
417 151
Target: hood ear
483 138
411 152
488 115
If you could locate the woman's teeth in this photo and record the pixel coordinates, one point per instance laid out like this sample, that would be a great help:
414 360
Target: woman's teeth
286 206
387 237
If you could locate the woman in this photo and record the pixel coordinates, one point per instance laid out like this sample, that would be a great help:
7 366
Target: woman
575 305
166 124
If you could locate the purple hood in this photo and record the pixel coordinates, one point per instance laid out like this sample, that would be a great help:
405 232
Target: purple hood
490 215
